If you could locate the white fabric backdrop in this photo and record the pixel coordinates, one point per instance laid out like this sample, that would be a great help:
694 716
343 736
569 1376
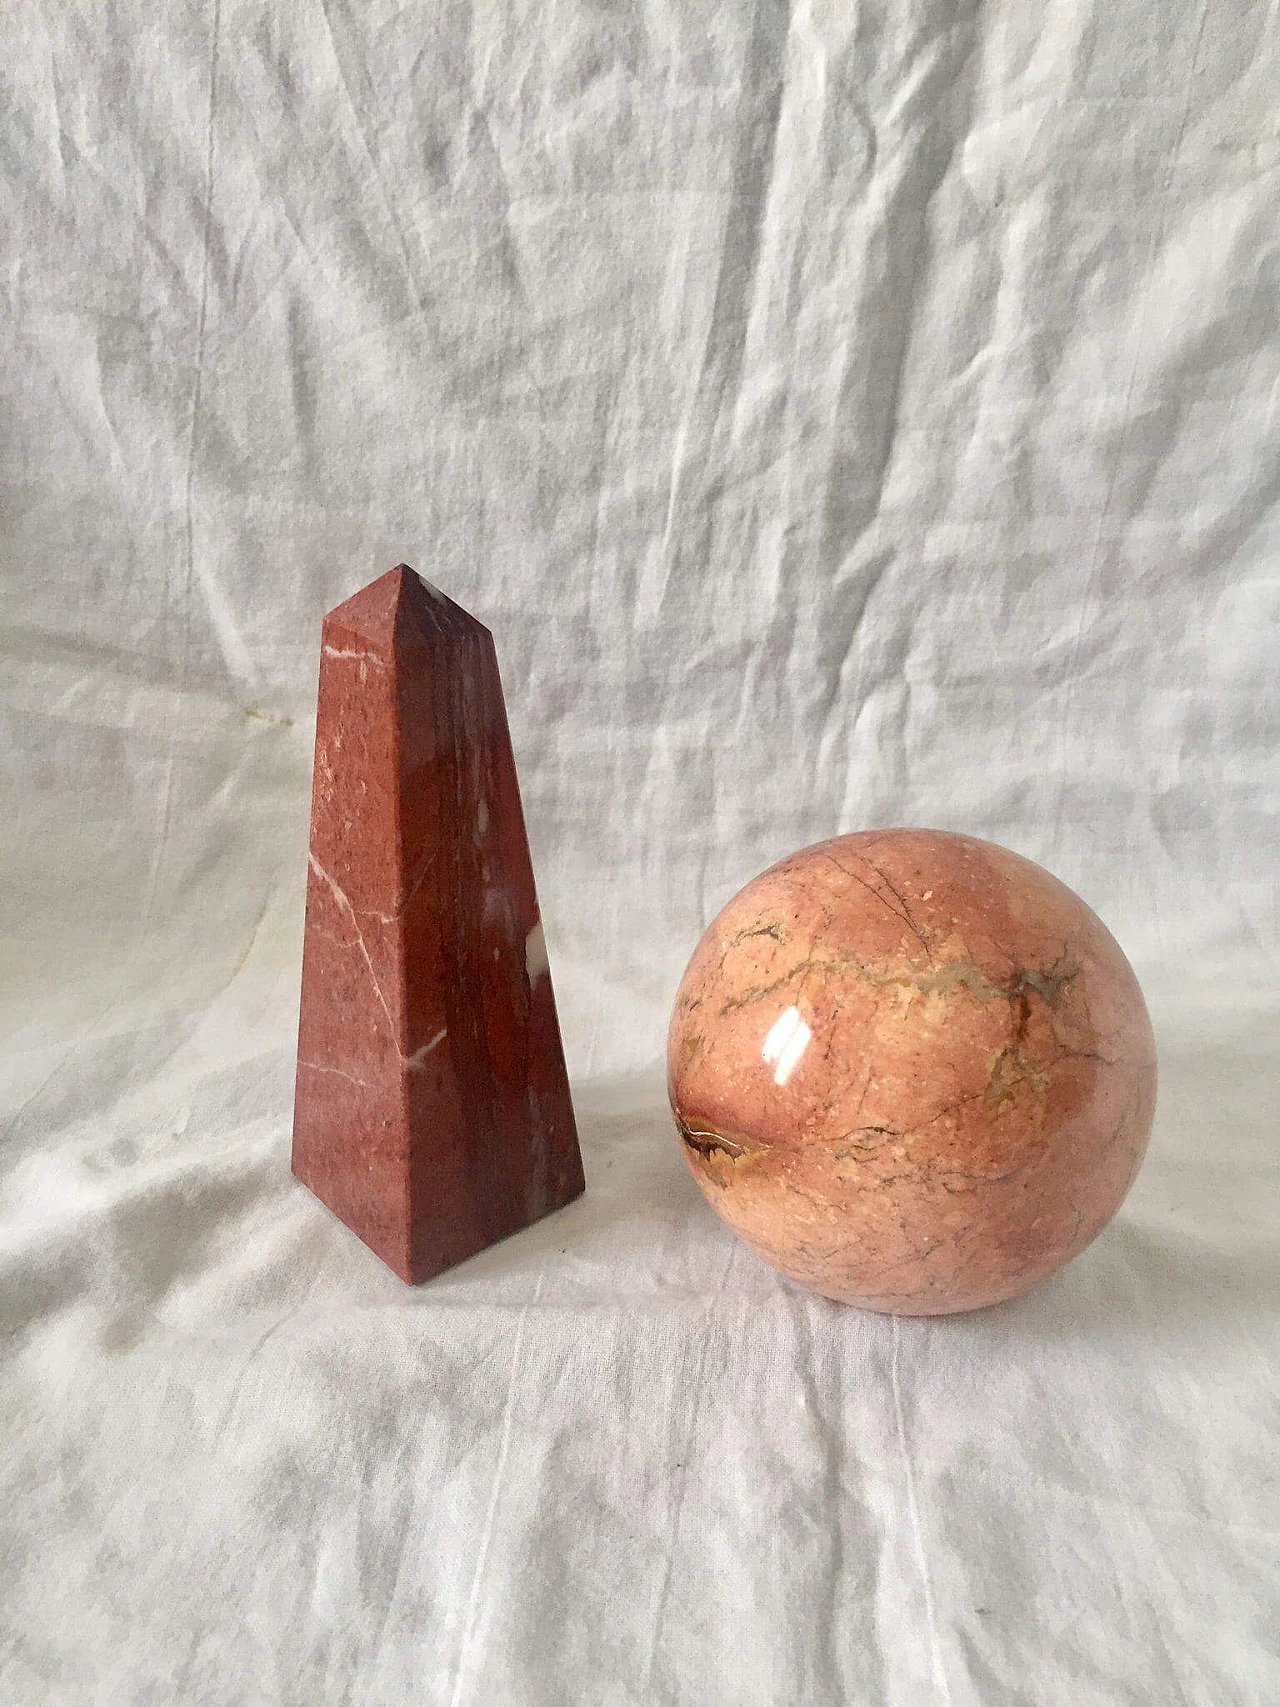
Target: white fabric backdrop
842 416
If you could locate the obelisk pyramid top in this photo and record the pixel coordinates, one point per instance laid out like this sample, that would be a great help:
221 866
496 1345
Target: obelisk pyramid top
379 610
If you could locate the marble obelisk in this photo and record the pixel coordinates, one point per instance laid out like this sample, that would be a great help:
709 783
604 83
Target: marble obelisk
432 1111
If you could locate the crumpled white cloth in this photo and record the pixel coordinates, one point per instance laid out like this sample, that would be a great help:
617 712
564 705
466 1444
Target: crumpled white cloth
842 416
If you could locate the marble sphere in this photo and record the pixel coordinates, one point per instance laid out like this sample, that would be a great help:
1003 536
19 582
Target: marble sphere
912 1070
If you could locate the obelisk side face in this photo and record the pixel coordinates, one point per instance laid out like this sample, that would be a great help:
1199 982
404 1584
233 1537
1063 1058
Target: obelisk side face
432 1110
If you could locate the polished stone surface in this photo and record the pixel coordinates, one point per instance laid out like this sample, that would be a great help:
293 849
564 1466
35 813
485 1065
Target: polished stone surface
432 1110
912 1069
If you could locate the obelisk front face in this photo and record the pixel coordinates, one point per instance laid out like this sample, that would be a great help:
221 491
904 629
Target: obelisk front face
432 1111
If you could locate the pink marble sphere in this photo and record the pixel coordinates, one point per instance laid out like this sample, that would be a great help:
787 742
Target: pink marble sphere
912 1070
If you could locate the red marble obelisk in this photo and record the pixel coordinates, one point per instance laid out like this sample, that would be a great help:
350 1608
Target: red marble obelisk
432 1112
